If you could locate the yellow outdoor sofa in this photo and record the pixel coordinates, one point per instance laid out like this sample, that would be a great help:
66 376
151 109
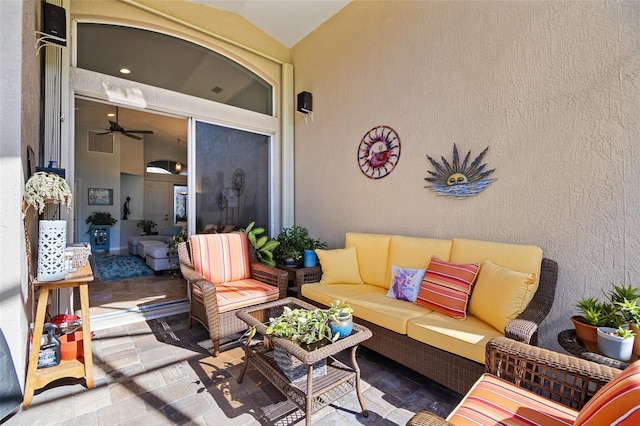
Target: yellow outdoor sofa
514 288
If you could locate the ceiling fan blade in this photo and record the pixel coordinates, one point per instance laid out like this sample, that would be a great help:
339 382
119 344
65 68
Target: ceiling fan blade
131 136
104 133
146 132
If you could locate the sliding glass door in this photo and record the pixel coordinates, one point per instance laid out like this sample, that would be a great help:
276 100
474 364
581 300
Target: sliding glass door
231 182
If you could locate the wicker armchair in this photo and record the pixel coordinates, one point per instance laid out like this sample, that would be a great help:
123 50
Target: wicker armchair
220 319
568 380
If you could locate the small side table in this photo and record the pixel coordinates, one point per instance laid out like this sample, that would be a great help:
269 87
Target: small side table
297 275
100 237
39 378
570 342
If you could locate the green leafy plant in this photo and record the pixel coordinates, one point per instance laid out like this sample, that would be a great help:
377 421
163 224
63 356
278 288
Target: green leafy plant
172 252
338 309
262 246
293 242
617 310
100 218
146 226
43 188
624 333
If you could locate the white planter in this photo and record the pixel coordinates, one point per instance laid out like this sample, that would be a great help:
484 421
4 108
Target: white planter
614 346
52 243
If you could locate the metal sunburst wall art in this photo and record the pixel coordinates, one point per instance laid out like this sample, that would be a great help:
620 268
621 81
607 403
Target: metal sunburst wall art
459 180
379 152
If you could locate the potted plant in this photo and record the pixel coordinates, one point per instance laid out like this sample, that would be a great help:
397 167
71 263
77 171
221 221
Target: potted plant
262 246
615 342
146 226
631 313
340 319
43 188
293 243
172 253
100 219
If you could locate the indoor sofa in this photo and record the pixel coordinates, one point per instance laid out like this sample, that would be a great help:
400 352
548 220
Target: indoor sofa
514 289
164 236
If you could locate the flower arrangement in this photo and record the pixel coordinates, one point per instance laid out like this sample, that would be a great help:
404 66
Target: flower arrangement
43 188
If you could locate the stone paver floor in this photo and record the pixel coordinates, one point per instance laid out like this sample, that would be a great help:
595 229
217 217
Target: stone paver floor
156 373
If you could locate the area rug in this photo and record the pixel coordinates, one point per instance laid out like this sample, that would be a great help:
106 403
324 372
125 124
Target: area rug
119 267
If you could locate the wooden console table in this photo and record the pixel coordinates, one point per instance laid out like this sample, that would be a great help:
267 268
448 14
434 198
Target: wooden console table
39 378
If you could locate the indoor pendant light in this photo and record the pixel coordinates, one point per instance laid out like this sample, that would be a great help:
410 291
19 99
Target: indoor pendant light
178 164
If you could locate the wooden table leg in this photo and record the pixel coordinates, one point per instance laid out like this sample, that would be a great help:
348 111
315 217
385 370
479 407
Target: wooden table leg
86 334
29 388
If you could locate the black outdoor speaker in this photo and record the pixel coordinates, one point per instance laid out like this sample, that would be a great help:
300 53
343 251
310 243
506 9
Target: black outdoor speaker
54 22
305 103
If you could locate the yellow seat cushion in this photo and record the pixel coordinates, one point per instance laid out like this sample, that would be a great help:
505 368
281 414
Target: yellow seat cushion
466 338
500 294
373 256
389 313
415 253
339 266
494 401
521 258
327 293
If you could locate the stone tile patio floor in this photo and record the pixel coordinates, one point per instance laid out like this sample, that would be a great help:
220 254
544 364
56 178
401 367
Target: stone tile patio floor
156 373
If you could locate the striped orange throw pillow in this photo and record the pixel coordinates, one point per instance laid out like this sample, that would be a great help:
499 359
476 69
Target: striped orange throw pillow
446 287
617 403
220 258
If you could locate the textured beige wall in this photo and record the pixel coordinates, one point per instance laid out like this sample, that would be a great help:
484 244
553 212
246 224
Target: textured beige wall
552 88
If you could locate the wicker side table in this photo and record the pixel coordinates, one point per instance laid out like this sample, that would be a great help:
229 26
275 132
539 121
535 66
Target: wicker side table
313 393
570 342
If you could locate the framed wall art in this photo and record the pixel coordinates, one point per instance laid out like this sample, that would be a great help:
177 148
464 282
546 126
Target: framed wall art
100 197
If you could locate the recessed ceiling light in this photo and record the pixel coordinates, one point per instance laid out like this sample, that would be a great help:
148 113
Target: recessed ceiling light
111 114
125 70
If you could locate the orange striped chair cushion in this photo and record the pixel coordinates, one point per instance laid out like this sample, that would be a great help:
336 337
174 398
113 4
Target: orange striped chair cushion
617 403
493 401
446 287
220 258
238 294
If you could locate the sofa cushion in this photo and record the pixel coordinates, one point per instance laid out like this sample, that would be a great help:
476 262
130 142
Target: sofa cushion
446 287
339 266
405 283
466 338
327 293
389 313
220 257
416 253
494 401
500 294
618 402
373 256
238 294
522 258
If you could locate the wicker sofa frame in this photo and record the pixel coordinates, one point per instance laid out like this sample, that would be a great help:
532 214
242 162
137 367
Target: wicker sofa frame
450 370
205 310
569 380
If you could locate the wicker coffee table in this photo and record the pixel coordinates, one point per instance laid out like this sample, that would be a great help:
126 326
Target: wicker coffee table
313 393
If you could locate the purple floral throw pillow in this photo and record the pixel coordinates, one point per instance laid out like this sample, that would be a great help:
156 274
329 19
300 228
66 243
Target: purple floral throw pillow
405 283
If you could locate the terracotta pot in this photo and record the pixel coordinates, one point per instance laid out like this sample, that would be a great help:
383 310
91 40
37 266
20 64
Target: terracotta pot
71 346
586 333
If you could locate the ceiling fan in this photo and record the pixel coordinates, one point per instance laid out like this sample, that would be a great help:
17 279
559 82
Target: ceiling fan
115 127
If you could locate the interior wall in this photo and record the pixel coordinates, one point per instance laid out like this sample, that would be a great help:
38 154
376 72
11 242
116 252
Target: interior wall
19 127
552 88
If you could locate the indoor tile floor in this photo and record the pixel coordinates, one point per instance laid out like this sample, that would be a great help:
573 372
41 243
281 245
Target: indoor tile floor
159 372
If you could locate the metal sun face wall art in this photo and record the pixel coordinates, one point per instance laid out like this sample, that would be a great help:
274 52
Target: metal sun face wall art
459 180
379 152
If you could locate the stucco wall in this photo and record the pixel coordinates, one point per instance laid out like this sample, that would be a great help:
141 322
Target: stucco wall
552 88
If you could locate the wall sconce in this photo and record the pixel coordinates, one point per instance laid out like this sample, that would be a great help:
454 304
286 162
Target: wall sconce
305 105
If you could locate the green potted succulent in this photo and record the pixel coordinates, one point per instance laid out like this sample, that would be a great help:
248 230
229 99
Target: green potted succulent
146 226
616 342
263 247
293 243
595 313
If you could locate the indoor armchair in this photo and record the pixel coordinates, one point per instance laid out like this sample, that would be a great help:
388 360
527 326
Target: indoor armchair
222 280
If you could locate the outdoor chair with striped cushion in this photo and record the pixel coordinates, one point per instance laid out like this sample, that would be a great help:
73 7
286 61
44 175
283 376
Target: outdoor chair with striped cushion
527 385
222 280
